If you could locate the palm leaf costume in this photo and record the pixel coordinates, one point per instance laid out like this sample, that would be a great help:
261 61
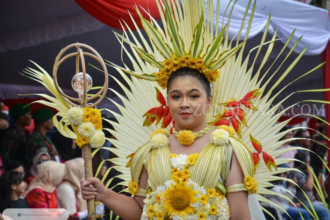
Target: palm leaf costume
186 38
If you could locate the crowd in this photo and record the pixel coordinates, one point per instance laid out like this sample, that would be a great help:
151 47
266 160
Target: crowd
310 153
42 168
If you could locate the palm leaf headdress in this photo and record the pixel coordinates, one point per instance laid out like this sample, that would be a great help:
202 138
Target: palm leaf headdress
188 39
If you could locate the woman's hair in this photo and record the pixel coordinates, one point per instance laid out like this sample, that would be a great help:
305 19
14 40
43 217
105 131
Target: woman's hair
13 165
8 178
301 157
193 73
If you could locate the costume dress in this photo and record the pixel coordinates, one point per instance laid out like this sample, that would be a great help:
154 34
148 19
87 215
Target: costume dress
242 118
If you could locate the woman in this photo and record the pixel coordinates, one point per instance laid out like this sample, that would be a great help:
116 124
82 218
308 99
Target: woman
12 187
186 88
40 157
69 196
42 190
292 152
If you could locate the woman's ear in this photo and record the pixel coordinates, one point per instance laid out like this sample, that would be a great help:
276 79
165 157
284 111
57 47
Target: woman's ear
13 187
209 99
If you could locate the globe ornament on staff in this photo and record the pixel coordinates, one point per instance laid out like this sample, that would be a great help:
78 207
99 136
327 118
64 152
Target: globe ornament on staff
79 113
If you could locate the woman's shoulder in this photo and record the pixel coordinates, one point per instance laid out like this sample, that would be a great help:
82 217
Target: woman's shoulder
20 203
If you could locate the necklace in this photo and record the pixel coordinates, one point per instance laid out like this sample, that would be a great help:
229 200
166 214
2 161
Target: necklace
186 137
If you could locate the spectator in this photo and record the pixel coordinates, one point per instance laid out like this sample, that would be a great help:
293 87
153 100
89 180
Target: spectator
41 156
38 139
17 166
291 153
12 187
42 190
304 142
66 146
306 184
14 139
4 121
69 196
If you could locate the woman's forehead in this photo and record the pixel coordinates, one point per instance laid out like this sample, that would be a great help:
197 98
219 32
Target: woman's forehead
185 83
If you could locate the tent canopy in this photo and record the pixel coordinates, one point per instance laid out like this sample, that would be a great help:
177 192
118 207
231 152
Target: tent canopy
39 33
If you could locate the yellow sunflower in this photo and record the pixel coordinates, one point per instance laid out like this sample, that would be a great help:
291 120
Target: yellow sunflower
183 62
192 159
251 184
213 210
174 170
175 59
211 192
159 198
160 215
193 63
200 62
201 216
95 113
81 140
179 176
178 199
203 199
186 172
151 211
167 64
133 187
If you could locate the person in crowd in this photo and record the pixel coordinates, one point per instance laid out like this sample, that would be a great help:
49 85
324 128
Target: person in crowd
17 166
282 189
4 121
305 181
286 145
69 196
12 187
42 190
14 139
304 143
66 146
40 157
38 139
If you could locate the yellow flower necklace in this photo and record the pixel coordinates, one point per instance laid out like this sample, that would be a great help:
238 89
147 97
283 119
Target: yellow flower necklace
186 137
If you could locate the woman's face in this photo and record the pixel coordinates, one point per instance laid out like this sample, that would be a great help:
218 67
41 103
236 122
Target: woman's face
20 188
188 103
20 169
288 136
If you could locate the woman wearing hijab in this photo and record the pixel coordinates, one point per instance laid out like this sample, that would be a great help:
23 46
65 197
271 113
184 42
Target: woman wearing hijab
41 156
42 190
69 196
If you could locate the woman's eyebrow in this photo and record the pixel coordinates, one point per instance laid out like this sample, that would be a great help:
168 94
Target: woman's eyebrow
175 90
194 90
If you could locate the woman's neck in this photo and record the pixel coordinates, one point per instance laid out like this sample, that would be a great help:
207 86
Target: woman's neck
193 129
14 195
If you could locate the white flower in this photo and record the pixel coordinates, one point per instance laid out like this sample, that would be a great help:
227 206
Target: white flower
169 183
179 161
219 137
159 140
148 202
97 140
86 129
76 115
204 208
178 217
192 217
159 207
211 217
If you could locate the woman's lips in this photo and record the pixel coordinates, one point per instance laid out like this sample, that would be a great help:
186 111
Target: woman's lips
185 115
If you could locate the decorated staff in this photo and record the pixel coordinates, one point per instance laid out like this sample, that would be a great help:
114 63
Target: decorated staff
79 113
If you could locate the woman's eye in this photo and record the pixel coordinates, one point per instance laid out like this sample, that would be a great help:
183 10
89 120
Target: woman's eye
194 96
175 97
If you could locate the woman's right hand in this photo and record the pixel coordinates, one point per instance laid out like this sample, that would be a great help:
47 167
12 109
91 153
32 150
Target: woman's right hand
91 188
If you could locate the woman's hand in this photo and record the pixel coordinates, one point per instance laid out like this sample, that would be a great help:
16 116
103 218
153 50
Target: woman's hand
92 188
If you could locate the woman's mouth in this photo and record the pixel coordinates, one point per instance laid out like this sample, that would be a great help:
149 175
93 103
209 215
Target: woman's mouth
185 114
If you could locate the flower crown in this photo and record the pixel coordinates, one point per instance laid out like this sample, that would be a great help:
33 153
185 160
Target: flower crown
175 63
175 48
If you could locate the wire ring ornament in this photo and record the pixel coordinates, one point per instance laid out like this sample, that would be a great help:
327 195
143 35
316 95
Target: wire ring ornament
83 99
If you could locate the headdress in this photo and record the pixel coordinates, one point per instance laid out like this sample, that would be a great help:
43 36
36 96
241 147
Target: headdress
237 92
187 41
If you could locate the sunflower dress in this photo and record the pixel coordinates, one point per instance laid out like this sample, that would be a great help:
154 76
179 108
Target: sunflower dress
189 186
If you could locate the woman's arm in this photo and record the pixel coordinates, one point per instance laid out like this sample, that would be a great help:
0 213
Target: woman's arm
238 201
129 208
